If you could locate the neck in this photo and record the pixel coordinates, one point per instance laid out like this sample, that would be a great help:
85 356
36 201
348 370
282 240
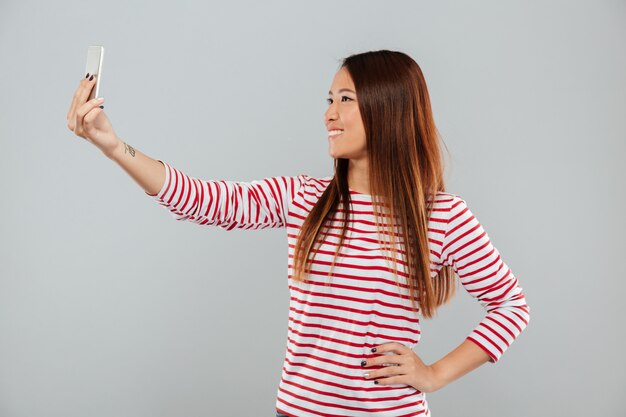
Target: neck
358 175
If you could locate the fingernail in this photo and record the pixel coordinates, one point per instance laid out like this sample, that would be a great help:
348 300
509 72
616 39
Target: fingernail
91 78
376 382
366 375
373 349
86 76
363 363
101 107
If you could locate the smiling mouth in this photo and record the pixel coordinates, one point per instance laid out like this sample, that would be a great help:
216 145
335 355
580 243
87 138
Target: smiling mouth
334 133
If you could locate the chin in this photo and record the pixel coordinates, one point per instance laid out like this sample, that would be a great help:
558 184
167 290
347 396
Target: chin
341 155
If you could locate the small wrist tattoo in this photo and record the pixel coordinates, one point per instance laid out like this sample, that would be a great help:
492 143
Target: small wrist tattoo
129 149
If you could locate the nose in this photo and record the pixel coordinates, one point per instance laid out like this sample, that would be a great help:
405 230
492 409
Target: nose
330 114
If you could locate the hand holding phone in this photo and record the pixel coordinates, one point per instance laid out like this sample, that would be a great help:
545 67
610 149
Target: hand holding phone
85 117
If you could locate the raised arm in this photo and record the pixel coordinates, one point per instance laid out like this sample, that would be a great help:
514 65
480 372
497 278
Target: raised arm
227 204
148 173
257 204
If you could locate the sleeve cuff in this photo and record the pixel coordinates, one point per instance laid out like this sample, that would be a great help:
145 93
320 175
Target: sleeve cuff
492 357
166 182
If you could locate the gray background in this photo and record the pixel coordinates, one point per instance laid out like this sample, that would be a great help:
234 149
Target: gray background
109 307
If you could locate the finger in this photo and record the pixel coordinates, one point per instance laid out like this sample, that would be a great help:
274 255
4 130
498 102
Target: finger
390 347
385 359
84 110
88 85
398 379
93 113
77 101
82 93
70 112
87 107
384 372
72 105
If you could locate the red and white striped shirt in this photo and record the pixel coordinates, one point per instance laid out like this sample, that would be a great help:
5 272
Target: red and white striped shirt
334 322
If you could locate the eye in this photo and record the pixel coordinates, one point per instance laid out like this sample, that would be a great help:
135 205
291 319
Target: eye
330 100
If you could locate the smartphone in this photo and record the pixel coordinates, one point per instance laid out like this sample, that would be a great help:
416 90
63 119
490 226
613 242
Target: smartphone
95 54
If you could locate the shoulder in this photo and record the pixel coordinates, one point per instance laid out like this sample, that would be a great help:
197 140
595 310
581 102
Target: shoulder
445 200
321 182
317 183
448 207
311 185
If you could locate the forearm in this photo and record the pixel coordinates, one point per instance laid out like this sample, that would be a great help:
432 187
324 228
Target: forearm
465 358
147 172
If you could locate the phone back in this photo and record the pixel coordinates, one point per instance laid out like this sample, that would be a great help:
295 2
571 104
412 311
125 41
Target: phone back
95 54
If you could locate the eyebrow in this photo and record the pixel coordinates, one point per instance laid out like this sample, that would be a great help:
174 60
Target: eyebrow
343 89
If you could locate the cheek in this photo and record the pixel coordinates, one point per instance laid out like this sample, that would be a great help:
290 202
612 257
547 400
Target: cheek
356 124
358 132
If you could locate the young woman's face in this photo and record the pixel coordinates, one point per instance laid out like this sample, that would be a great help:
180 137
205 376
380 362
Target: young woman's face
343 114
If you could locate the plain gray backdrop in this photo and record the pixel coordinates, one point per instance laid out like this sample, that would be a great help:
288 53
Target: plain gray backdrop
109 307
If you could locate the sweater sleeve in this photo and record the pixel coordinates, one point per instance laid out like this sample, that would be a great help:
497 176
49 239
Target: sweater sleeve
258 204
487 278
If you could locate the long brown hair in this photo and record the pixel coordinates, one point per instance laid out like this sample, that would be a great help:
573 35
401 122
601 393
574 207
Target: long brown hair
405 173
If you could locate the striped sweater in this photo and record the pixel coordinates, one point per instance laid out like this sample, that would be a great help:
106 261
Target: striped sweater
335 321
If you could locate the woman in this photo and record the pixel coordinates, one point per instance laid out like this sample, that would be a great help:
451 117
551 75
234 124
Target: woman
357 291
